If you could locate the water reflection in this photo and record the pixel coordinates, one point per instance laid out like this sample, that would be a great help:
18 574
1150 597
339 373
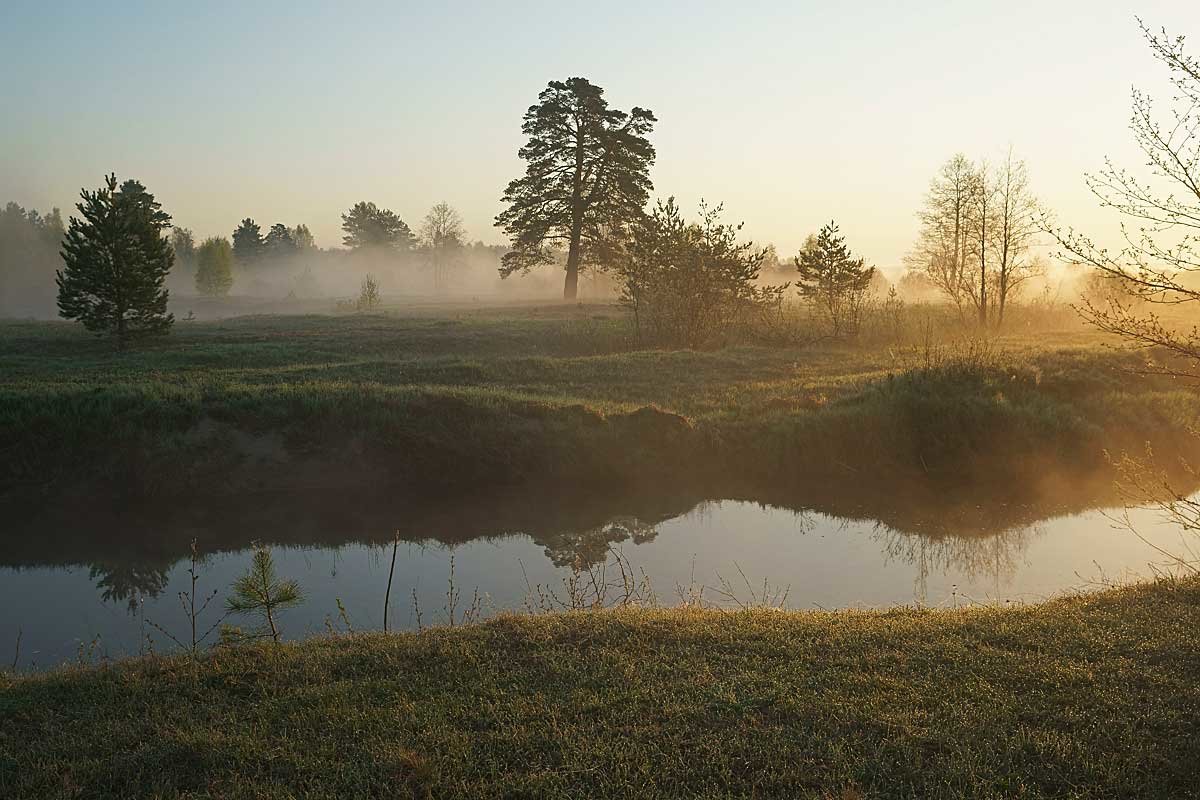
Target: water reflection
128 582
996 557
62 584
590 547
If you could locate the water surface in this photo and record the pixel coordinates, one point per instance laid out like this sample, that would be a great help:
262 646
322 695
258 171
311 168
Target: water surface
68 589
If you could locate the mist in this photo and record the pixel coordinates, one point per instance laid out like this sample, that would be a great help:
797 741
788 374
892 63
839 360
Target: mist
29 257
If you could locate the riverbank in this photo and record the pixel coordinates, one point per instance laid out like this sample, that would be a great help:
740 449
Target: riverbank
1090 696
492 399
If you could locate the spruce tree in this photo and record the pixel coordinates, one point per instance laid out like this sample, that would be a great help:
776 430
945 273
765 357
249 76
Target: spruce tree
115 262
214 267
587 172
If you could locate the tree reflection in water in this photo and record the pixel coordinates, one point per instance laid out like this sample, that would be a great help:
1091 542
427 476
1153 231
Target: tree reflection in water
996 556
589 547
128 581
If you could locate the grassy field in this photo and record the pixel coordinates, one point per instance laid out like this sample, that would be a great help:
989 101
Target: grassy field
462 397
1091 696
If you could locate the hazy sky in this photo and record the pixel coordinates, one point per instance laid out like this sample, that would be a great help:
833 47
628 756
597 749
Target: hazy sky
791 113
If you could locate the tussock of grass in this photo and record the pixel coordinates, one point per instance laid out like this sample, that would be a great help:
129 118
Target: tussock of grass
1091 696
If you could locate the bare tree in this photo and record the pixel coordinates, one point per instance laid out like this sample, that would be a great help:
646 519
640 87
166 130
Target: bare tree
1154 267
981 214
942 248
443 238
1015 229
1157 259
978 228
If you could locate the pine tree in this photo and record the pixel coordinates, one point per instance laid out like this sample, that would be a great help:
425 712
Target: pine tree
259 591
369 227
116 259
833 280
248 243
279 243
214 267
587 171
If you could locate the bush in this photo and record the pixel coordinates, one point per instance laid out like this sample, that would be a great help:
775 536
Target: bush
691 284
368 296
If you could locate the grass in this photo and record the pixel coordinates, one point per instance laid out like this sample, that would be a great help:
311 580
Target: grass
1087 696
495 397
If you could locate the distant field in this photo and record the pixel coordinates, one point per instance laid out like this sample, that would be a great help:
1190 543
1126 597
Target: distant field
458 396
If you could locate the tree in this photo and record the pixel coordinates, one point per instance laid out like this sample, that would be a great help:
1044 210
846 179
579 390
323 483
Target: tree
977 230
248 243
214 267
442 237
260 592
1014 230
834 281
115 263
368 294
587 170
183 245
29 256
278 243
303 239
981 214
1157 264
369 228
688 283
943 247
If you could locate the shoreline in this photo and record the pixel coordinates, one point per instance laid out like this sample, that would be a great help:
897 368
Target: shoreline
936 703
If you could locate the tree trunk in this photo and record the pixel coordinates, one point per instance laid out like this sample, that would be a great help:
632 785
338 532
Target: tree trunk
571 287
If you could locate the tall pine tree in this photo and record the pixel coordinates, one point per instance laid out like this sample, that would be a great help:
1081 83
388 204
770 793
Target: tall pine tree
115 262
587 171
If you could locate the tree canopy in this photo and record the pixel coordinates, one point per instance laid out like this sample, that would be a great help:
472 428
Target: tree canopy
442 239
249 246
116 259
587 170
214 267
369 227
279 242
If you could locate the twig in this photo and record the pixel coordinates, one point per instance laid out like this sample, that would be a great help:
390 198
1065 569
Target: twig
388 594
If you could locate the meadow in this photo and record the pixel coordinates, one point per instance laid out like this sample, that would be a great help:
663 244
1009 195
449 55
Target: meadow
1084 695
466 398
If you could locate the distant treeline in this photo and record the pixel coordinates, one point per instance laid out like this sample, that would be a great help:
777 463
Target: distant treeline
581 209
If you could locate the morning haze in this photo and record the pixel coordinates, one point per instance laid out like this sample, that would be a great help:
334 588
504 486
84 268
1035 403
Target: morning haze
605 401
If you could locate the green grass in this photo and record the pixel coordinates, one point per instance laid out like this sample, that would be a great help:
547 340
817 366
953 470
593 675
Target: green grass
1092 696
505 396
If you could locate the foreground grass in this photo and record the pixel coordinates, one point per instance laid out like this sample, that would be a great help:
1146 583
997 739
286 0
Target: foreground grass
1091 696
493 397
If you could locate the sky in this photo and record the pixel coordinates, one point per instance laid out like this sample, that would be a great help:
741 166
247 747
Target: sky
790 113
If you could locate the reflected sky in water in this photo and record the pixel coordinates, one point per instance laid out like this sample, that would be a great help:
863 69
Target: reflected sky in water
822 561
